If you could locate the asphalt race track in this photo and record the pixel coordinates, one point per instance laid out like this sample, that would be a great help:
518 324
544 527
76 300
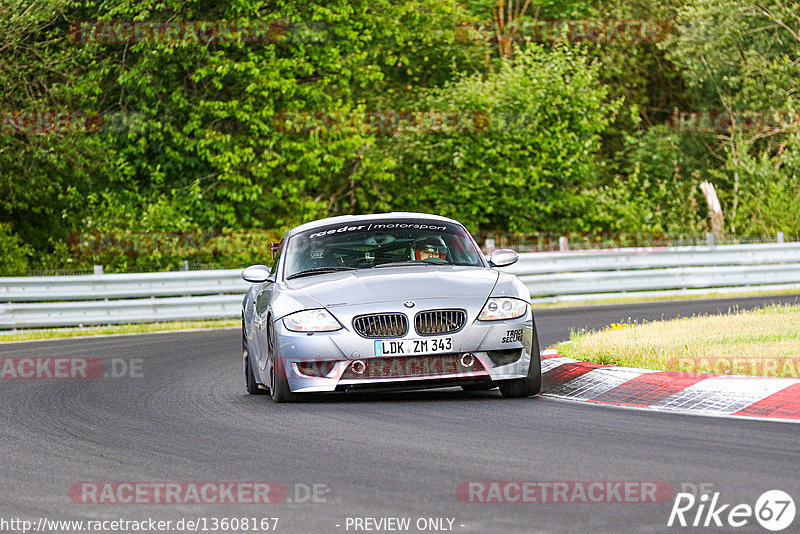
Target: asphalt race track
185 416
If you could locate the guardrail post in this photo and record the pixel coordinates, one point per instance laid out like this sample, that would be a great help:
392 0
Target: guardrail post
563 243
780 237
98 269
709 239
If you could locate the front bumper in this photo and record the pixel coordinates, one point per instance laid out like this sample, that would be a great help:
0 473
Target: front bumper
323 362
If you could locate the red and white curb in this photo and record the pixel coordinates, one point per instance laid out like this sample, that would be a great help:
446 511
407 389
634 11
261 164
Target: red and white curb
671 391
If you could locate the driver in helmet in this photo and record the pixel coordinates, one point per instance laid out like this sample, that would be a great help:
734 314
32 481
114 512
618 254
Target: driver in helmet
429 247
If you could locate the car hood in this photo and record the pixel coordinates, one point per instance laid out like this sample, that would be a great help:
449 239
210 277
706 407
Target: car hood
400 283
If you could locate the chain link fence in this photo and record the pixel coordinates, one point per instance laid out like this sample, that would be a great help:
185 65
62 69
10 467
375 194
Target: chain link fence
488 241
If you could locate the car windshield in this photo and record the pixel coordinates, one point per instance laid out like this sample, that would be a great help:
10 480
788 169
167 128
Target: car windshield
376 243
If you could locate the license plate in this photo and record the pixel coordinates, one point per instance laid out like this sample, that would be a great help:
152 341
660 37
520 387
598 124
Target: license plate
399 347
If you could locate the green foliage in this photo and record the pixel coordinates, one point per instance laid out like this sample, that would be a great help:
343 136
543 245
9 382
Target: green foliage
740 56
13 252
641 194
545 112
40 70
768 187
577 140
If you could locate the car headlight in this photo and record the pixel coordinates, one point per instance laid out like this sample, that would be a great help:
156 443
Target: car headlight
499 308
311 321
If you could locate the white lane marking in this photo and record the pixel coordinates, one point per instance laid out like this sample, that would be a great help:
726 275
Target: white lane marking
549 364
724 394
714 396
596 382
672 411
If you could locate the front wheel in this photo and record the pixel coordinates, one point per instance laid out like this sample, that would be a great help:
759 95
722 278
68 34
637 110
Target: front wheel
278 384
529 385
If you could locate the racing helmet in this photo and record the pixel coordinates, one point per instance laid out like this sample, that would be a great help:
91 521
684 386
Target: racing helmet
429 247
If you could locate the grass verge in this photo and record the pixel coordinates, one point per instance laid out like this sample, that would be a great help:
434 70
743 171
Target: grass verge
138 328
761 342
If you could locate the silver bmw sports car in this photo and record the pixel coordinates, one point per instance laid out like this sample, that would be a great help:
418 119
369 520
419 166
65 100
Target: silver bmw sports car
391 301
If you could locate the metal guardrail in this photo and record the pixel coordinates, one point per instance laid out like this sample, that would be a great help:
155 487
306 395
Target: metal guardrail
550 276
120 298
586 275
119 311
660 257
119 286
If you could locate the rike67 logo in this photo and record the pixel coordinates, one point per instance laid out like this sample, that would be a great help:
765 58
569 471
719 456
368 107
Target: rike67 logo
774 510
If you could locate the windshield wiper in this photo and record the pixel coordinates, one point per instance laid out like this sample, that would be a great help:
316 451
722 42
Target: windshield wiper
319 270
408 262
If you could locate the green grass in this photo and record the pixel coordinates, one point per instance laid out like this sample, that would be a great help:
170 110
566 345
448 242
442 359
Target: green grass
138 328
763 342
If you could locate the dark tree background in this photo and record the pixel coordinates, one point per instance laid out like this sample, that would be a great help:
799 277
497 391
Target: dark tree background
576 136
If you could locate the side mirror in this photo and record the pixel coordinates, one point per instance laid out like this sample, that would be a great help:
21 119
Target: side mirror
503 257
256 274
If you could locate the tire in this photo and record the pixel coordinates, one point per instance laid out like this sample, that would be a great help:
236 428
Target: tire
279 385
249 376
531 384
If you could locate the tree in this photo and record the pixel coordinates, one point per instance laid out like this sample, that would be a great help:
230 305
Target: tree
739 57
526 170
13 253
